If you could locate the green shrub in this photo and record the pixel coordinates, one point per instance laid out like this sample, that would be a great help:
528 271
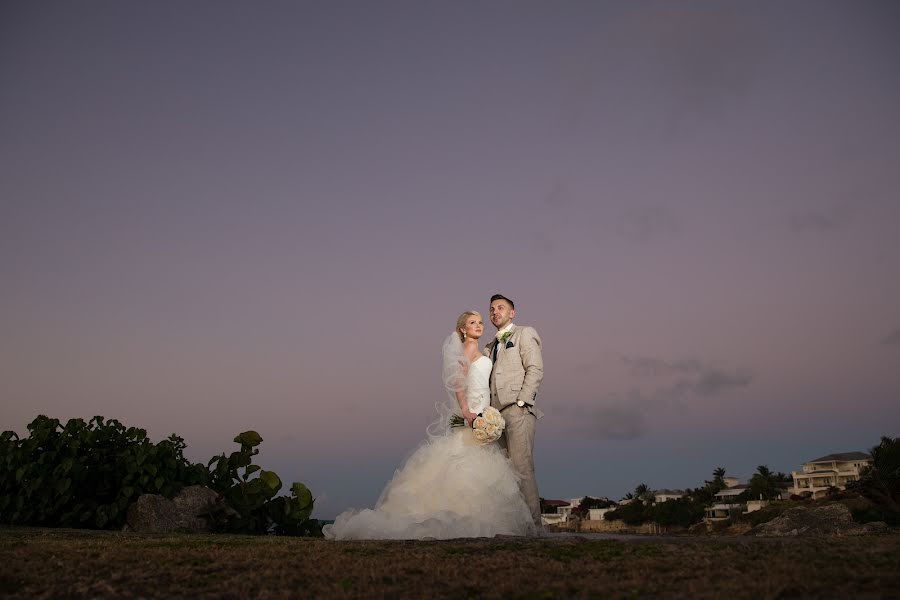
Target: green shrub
880 481
681 512
254 507
633 513
86 474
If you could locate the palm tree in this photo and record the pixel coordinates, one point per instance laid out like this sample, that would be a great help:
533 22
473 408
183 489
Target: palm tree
718 481
763 484
643 493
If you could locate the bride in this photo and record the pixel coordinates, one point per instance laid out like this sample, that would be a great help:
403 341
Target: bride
452 486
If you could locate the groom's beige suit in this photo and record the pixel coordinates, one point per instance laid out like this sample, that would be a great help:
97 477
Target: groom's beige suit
516 376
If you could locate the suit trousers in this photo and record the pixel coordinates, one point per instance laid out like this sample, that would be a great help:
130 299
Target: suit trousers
518 441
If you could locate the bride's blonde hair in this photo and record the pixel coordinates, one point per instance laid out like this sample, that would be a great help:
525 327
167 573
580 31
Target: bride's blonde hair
461 323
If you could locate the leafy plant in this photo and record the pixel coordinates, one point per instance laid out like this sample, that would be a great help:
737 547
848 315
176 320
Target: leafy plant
631 513
682 512
880 481
587 503
252 500
86 474
290 515
765 485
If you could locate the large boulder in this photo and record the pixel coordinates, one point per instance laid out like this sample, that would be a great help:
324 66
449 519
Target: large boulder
155 513
830 520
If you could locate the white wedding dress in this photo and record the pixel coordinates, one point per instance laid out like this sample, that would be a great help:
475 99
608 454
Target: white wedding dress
451 487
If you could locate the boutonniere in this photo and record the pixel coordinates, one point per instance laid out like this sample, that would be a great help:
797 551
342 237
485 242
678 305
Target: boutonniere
502 337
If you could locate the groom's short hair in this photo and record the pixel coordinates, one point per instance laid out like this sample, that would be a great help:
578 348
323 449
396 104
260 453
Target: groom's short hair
512 304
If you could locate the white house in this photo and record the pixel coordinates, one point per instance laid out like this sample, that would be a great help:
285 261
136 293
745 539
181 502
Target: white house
726 503
572 505
731 481
557 512
834 470
664 495
597 514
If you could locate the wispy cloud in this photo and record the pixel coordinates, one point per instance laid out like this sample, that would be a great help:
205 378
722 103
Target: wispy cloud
708 383
700 61
712 382
814 221
541 242
616 422
708 60
645 366
559 195
643 223
821 220
892 339
661 387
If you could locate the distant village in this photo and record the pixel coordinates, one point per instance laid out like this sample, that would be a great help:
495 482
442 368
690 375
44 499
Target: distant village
727 496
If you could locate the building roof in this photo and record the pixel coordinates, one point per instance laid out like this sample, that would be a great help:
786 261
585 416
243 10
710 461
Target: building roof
556 503
733 491
843 456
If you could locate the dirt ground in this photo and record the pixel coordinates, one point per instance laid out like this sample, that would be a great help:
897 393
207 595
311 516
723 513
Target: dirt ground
51 563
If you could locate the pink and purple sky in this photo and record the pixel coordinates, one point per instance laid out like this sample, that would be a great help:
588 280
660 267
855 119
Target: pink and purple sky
221 216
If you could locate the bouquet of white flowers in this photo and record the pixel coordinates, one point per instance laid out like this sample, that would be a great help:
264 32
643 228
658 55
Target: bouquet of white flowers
486 427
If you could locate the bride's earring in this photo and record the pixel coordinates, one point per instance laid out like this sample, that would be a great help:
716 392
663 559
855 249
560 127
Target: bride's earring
464 336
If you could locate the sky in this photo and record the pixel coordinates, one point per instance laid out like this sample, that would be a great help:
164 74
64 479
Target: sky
224 216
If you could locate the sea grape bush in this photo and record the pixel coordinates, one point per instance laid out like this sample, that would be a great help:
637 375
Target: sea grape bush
86 474
251 503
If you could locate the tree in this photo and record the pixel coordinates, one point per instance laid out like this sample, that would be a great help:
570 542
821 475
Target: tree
782 477
706 494
587 503
763 485
597 502
545 509
682 512
880 481
719 475
717 484
633 513
643 493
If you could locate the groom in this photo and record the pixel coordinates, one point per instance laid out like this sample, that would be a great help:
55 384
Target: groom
517 374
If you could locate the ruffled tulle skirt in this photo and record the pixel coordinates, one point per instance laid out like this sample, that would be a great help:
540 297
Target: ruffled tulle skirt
450 487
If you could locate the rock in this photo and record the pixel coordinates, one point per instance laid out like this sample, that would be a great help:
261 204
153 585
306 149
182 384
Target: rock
831 520
155 513
701 528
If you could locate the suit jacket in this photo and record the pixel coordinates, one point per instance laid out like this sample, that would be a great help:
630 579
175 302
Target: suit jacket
518 370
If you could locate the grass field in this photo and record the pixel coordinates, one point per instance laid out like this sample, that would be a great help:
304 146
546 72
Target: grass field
38 563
